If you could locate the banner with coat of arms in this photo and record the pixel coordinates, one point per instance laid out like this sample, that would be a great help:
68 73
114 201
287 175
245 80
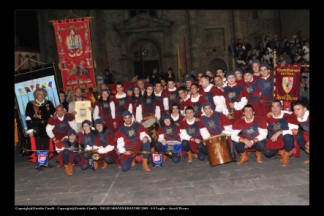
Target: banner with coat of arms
287 82
75 53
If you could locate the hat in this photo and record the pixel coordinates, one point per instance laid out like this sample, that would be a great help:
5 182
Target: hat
98 121
239 70
229 73
256 62
207 104
264 65
166 115
72 131
86 122
126 113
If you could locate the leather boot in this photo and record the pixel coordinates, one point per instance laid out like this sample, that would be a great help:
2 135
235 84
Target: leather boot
71 168
306 161
259 158
244 158
67 170
189 156
145 166
194 155
281 152
165 158
133 162
95 165
285 158
153 149
104 165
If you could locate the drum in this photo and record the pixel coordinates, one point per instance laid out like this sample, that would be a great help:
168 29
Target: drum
152 128
218 150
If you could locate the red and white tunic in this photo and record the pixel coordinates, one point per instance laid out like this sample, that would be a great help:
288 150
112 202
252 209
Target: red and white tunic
257 128
215 96
59 127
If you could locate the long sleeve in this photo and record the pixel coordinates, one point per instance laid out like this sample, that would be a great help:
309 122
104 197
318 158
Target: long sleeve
96 112
130 108
113 110
73 125
227 130
284 132
241 104
161 138
49 130
235 135
121 145
139 114
103 150
166 103
204 133
220 103
262 134
184 135
157 112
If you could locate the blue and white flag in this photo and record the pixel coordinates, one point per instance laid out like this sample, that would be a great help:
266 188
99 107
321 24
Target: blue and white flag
41 158
157 160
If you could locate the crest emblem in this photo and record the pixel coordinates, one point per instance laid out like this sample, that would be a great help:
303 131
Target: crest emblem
277 126
231 95
266 85
250 131
105 105
149 100
121 102
191 131
196 108
287 84
131 132
172 97
211 124
169 131
249 89
206 97
87 140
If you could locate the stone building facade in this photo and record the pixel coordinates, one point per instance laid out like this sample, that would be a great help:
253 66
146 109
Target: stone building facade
126 34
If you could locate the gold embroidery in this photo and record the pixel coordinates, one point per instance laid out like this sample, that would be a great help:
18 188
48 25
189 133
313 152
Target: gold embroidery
131 132
211 123
169 131
232 95
277 126
250 131
191 131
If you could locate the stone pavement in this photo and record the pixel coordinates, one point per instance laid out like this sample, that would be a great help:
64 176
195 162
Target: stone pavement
175 184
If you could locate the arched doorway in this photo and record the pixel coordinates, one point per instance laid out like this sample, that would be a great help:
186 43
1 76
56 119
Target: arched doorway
217 63
146 56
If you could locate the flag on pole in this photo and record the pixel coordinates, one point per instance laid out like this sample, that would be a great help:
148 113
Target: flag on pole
179 63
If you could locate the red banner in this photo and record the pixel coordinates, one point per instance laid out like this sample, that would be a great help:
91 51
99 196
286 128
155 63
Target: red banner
287 82
75 53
